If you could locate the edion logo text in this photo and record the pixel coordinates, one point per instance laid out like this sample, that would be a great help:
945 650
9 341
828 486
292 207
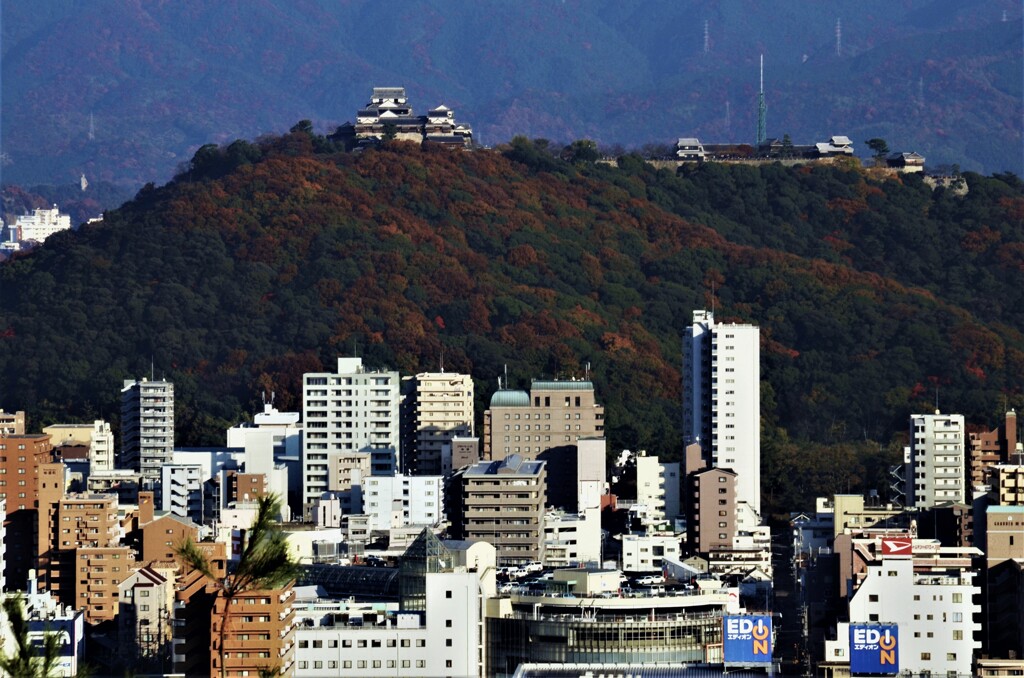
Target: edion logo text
874 649
740 628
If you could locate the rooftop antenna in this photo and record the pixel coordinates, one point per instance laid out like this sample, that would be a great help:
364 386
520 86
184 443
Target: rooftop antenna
707 40
442 359
586 371
762 136
728 116
839 37
506 375
152 370
712 297
92 127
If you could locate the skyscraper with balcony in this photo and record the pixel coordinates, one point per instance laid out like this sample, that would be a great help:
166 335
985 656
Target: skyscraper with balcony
438 407
344 412
722 399
934 464
147 426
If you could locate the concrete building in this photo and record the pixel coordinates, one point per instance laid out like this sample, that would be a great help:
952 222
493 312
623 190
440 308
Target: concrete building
21 458
571 539
437 407
657 487
722 399
351 410
591 472
553 414
402 501
181 491
934 462
465 452
928 590
41 224
147 427
1006 484
12 423
145 607
259 633
45 615
272 445
986 448
97 436
502 503
711 510
158 535
644 553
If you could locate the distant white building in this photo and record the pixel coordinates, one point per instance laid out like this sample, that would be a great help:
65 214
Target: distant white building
836 145
44 615
41 224
644 553
181 491
935 461
571 539
147 426
657 487
690 148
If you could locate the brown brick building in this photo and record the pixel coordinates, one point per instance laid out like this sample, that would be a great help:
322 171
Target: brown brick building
259 632
711 510
21 457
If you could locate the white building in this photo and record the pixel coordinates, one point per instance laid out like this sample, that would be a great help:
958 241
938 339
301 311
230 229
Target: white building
272 443
591 472
571 539
440 408
643 553
722 399
350 410
147 426
657 487
41 224
181 491
934 462
401 501
44 615
97 436
931 595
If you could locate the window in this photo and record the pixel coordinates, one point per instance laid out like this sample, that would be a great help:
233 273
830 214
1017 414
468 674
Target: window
926 656
332 643
448 663
448 623
958 597
421 663
420 642
951 656
873 598
447 594
958 634
447 642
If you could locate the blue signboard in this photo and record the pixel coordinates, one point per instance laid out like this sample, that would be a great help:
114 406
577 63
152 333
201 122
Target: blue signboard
874 649
747 639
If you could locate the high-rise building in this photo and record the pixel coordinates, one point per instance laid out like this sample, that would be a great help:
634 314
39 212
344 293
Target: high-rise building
97 436
351 410
722 399
21 458
934 462
147 426
258 634
553 414
438 407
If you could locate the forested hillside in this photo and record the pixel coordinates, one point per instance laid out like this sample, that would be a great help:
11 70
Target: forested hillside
268 260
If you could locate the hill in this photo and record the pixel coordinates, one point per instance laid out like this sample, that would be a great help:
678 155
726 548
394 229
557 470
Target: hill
267 260
126 92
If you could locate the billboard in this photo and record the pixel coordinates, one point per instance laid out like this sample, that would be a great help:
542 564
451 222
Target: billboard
897 547
874 649
747 639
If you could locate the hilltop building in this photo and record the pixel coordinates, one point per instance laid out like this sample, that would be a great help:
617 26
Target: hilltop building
41 224
388 115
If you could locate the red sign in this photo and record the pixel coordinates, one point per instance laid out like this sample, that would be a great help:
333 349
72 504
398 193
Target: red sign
897 547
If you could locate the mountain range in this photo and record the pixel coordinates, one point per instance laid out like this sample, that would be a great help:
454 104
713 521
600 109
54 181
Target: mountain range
125 92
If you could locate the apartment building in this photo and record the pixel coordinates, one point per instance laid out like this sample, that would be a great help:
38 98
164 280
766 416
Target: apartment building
986 448
722 399
502 503
259 633
351 410
21 458
402 501
934 462
644 552
96 436
437 407
181 491
711 510
145 608
41 224
552 414
147 427
12 423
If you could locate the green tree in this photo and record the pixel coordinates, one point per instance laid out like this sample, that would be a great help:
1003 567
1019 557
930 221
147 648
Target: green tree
27 659
390 131
264 564
583 150
880 148
787 146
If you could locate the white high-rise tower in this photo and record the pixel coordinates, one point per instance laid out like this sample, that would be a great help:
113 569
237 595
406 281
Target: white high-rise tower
722 399
147 426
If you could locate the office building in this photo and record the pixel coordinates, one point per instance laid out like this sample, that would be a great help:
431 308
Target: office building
722 399
437 407
551 415
401 501
351 410
934 462
147 427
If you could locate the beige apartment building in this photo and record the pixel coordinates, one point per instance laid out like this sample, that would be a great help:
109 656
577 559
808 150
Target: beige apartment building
1007 484
503 504
259 635
551 414
438 407
711 514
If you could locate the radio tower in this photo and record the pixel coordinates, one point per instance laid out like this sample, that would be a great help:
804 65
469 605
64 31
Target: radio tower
707 41
762 136
839 37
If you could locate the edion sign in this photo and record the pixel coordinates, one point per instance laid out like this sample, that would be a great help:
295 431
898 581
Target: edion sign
897 547
747 639
874 649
